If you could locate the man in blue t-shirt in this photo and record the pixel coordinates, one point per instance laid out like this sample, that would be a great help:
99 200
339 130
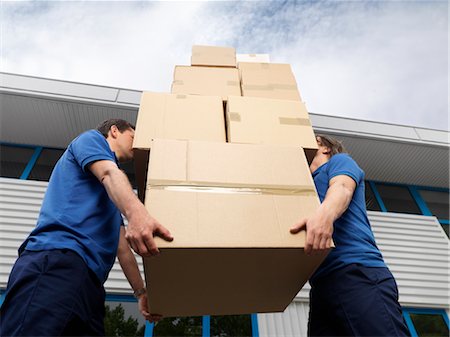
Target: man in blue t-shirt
353 293
56 285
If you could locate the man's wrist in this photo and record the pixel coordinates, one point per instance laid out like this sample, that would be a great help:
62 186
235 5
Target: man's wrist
139 292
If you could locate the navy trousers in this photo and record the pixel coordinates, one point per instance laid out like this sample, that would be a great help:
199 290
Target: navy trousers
52 293
356 301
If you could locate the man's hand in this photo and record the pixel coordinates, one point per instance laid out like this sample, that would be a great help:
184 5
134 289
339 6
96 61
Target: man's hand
141 230
319 231
319 227
143 308
141 226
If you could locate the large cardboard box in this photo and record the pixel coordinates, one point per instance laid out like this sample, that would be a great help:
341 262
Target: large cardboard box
213 56
270 121
174 116
212 81
270 80
229 208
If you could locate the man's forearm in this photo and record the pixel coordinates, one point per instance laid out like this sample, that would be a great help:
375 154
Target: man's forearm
336 201
119 190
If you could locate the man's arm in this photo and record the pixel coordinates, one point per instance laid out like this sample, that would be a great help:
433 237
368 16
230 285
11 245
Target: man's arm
319 227
141 226
131 270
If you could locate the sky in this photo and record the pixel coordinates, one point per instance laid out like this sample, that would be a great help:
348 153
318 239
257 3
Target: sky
384 61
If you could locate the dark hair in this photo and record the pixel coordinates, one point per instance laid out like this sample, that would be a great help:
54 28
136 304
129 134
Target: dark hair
334 145
121 124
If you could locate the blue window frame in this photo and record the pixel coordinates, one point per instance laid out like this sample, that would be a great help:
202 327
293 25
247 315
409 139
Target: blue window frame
30 162
205 321
430 201
426 322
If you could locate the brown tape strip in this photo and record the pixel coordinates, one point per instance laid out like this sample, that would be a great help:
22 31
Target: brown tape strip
294 121
235 117
177 82
181 96
299 190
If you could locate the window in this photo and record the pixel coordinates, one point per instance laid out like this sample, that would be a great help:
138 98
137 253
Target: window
371 201
122 317
180 326
233 325
397 199
427 322
437 202
14 160
45 164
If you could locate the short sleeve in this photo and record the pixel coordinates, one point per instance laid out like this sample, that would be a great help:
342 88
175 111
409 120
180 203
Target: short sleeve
343 164
89 147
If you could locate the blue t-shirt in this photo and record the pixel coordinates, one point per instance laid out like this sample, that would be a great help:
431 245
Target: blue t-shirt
76 212
352 235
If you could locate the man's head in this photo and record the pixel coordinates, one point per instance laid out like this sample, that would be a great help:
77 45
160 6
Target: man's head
119 134
332 146
328 147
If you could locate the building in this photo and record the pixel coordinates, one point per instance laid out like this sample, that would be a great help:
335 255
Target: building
407 181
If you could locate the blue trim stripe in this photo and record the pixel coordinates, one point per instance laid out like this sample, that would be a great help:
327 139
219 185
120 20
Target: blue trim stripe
377 196
206 326
149 329
255 329
120 298
419 201
409 324
26 172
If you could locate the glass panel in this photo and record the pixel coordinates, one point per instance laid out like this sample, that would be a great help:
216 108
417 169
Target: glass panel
437 202
13 160
128 168
234 325
397 199
445 227
371 201
45 164
184 326
429 325
123 319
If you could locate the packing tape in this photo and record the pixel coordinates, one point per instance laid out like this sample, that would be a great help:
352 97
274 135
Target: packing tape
294 121
177 82
300 190
181 96
235 117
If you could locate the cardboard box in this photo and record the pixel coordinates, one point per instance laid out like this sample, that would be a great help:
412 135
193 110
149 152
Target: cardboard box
270 80
270 121
212 81
213 56
232 251
257 58
174 116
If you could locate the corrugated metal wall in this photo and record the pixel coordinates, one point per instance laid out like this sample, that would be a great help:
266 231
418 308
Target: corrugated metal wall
415 248
20 201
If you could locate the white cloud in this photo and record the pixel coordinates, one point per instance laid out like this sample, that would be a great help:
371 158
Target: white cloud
384 61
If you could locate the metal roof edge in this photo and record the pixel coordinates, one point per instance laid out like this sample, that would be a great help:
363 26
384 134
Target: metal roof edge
105 95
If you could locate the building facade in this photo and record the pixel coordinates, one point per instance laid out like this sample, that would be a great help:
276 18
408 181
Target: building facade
407 194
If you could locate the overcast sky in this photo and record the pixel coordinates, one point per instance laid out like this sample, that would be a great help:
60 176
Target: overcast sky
375 60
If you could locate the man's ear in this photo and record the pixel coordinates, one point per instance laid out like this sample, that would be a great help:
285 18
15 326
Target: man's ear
113 131
326 150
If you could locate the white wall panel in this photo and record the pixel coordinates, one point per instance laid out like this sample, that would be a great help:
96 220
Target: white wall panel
20 202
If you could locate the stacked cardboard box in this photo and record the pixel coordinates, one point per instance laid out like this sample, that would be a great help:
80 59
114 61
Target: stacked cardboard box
229 205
